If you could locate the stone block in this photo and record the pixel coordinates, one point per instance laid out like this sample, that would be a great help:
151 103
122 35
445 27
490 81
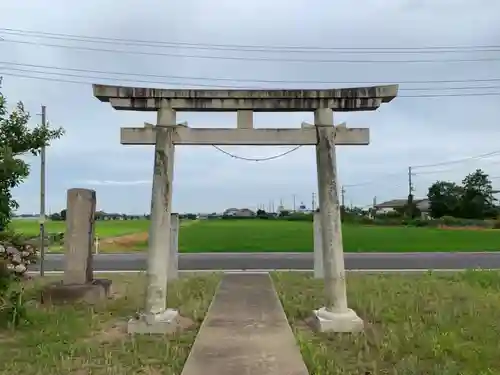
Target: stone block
92 293
166 322
341 322
79 237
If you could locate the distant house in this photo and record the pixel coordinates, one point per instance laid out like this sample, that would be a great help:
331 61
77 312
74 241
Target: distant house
392 205
239 212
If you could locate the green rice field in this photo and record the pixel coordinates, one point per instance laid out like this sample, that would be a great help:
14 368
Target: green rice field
284 236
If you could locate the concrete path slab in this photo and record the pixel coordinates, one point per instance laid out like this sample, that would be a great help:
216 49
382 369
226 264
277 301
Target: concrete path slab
245 332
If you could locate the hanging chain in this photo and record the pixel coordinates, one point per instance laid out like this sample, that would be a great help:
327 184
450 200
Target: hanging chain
256 159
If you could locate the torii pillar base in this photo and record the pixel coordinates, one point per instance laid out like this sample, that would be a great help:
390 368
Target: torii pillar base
341 322
163 323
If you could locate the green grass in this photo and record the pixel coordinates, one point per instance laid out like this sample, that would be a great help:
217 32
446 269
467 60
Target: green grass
294 236
414 324
80 339
104 229
431 323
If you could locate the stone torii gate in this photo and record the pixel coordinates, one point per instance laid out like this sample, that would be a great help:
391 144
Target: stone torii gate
335 315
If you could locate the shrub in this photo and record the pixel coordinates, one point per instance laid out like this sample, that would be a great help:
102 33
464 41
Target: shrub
231 217
496 223
16 254
450 221
298 217
418 223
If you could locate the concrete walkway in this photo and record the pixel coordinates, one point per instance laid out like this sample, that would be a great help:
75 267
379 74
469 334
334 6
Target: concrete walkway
245 332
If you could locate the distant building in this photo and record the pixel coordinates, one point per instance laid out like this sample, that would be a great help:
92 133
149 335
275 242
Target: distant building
390 206
302 208
239 212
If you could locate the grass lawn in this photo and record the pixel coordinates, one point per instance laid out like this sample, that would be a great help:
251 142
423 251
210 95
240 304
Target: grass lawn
86 340
415 324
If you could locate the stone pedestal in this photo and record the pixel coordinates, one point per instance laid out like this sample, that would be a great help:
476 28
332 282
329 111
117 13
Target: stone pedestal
160 324
91 293
343 321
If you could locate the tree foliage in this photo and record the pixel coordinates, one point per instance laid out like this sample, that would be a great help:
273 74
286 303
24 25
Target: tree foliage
16 140
472 200
477 200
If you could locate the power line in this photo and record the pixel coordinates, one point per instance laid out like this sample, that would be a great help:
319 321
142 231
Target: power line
446 170
482 156
260 48
215 86
243 80
251 58
412 168
203 84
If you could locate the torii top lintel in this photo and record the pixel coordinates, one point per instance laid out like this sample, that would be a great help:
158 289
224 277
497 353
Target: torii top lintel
342 100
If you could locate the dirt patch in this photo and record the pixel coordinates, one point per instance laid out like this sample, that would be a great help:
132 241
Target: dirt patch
6 339
112 332
475 228
184 323
126 241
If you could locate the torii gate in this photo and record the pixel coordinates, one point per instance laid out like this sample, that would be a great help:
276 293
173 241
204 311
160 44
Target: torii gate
335 315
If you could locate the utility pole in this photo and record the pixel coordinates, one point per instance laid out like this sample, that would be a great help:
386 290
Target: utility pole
374 208
342 195
410 194
294 203
313 203
42 199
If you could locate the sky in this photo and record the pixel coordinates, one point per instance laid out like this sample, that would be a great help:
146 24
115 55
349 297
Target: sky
417 128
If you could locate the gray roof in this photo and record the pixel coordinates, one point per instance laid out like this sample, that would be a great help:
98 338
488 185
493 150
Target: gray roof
397 203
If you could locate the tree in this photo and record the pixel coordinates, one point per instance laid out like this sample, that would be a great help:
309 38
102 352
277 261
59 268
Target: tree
445 199
284 213
55 216
477 199
17 139
262 214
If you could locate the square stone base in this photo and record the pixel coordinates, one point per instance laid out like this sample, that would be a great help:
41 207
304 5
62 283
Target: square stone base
328 321
159 324
94 292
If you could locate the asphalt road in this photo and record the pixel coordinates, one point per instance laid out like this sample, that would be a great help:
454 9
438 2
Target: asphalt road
297 261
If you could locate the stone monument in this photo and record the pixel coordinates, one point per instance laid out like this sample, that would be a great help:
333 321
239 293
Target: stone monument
78 283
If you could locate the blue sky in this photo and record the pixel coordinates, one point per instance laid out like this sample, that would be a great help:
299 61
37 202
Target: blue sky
407 131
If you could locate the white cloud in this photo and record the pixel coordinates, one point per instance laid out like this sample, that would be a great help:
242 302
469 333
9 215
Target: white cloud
407 131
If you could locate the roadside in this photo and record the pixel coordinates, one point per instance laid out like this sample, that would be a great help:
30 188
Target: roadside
398 262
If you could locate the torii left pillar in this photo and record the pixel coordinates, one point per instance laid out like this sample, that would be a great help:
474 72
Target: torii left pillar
157 318
335 316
